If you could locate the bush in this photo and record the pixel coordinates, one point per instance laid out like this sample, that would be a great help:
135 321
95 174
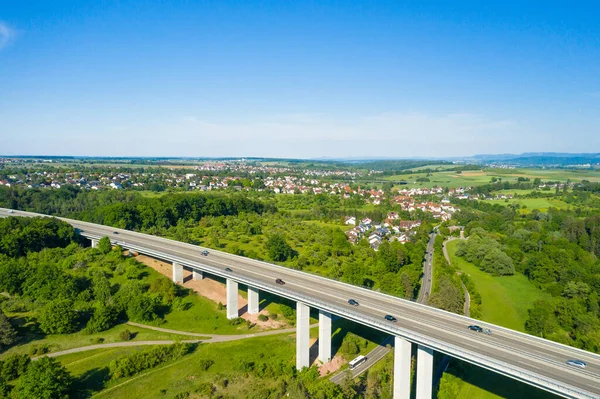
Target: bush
125 335
206 389
220 306
236 322
288 312
134 363
205 364
38 350
262 317
273 316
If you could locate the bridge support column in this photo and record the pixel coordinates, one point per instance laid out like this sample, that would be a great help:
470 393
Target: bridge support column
94 243
253 300
324 336
302 335
177 273
424 372
197 275
232 299
402 352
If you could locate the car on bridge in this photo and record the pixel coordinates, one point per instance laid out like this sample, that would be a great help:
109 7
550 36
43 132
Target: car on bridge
577 363
280 281
475 328
390 318
352 302
205 252
228 269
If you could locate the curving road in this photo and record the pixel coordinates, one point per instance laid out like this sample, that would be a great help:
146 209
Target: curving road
520 356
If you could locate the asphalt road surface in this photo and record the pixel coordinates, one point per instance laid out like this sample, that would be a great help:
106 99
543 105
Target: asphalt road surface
521 352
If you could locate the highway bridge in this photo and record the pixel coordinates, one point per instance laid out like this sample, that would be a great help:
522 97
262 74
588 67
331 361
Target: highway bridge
520 356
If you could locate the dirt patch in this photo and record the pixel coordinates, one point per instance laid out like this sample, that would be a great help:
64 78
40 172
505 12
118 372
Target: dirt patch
213 290
327 368
473 173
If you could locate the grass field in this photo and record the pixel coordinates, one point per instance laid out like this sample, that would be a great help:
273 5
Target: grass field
60 342
505 300
542 204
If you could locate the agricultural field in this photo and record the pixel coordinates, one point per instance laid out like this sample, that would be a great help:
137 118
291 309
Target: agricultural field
452 179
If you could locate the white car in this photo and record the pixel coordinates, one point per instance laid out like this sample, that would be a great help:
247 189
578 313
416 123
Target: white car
11 211
577 363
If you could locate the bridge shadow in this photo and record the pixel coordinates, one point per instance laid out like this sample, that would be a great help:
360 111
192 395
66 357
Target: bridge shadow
341 328
313 352
495 383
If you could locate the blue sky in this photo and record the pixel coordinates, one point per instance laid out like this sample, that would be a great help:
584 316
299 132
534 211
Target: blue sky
298 79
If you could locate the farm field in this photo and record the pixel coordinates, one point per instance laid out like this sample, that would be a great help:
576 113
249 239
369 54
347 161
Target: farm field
505 300
451 179
541 204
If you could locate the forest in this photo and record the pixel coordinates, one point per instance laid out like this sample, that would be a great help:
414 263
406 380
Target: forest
557 250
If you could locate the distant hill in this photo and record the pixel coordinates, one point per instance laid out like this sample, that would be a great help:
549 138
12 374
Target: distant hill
540 158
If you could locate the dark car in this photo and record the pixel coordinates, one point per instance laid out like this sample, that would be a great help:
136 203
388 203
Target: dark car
475 328
352 302
228 269
115 232
390 318
205 252
280 281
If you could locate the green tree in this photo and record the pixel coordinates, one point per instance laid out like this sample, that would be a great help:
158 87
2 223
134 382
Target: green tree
58 317
7 333
45 378
104 245
278 248
541 321
105 316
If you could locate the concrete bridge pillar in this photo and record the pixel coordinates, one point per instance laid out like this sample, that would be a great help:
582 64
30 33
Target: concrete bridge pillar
324 336
253 300
94 243
402 353
424 372
177 273
197 274
302 335
232 299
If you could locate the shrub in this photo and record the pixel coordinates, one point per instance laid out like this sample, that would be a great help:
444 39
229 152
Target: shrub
205 364
262 317
206 389
273 316
134 363
125 335
236 322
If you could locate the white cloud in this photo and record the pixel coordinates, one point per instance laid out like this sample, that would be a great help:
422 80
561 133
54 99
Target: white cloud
7 35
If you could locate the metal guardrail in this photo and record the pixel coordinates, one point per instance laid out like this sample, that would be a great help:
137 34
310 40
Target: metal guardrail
440 346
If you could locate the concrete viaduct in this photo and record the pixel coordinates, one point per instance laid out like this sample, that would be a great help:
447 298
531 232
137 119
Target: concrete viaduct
520 356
